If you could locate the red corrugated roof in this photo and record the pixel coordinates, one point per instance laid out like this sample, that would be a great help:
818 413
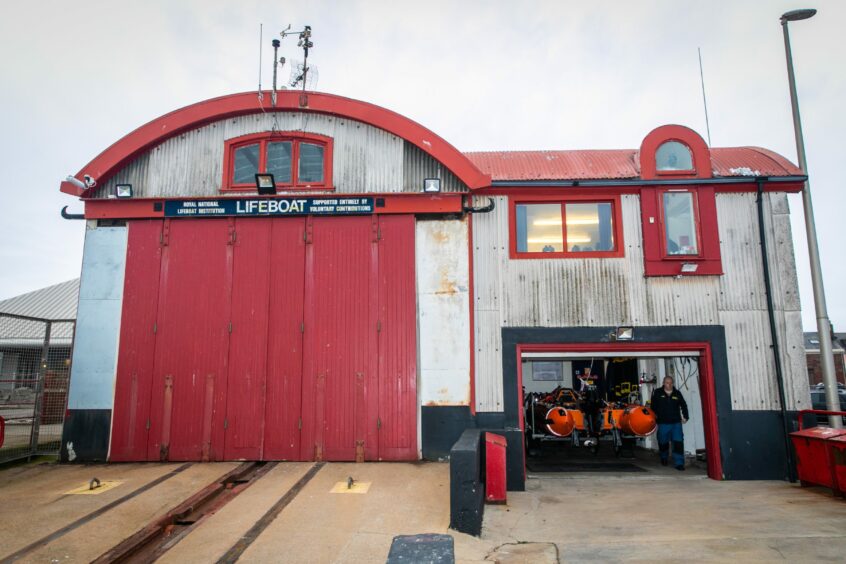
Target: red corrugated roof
619 164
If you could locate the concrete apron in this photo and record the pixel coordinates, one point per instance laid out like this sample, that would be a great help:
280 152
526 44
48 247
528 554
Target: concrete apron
572 517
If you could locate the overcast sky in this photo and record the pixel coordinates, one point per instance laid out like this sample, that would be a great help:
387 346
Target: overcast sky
76 76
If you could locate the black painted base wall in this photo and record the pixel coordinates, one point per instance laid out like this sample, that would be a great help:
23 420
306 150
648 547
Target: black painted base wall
751 442
85 436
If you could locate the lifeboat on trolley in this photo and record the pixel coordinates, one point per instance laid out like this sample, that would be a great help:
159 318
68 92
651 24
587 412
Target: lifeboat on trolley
637 420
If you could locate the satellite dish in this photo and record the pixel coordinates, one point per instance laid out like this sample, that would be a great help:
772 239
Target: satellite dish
298 74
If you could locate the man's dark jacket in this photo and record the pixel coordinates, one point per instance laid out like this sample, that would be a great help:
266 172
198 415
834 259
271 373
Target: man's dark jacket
669 409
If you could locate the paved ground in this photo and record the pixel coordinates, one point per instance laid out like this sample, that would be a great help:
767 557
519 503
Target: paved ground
653 515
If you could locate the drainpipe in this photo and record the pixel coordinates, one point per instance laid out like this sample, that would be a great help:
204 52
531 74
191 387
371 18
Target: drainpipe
773 331
67 215
480 209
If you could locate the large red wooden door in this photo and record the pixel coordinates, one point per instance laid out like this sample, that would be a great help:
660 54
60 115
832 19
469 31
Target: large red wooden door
137 342
397 401
339 342
192 341
244 423
285 340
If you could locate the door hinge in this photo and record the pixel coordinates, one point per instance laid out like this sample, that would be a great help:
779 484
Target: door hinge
148 425
226 423
378 422
302 326
155 327
379 326
230 326
300 423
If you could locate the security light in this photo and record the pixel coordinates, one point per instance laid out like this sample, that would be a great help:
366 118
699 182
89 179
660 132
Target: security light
624 333
689 267
431 184
123 190
265 183
796 15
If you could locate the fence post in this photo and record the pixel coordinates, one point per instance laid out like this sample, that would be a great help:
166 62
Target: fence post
39 391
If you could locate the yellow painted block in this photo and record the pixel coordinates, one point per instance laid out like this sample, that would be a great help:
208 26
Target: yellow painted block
357 488
85 489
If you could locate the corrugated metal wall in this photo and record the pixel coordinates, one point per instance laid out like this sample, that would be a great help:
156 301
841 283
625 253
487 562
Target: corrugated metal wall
365 158
614 291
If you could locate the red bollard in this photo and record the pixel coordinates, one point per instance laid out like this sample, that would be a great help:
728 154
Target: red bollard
495 468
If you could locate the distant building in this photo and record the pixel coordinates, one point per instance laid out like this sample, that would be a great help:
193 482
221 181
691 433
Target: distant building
812 355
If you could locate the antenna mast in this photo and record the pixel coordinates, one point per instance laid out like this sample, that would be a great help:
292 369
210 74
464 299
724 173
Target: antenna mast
305 43
704 101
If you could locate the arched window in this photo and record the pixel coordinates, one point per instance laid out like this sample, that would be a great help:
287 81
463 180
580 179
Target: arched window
296 160
673 156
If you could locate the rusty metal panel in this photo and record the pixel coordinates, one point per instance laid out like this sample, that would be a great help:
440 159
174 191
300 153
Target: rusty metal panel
340 337
418 165
443 293
137 342
285 340
488 344
397 340
750 360
742 285
189 386
246 384
365 158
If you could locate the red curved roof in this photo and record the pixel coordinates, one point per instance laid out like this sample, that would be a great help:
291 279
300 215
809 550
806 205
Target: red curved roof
196 115
618 164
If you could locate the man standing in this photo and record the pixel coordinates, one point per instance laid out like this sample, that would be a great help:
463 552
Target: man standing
671 411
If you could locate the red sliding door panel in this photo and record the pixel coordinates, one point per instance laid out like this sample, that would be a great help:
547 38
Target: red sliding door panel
339 329
285 339
189 386
137 342
397 340
244 426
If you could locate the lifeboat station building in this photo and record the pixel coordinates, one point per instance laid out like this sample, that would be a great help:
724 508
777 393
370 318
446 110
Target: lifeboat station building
324 279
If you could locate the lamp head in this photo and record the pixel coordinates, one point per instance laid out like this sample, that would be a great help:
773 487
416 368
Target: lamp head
796 15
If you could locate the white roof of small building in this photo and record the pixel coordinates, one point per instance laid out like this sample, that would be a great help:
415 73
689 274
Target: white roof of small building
53 302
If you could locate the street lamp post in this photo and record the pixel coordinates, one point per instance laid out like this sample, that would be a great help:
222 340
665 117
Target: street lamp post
832 400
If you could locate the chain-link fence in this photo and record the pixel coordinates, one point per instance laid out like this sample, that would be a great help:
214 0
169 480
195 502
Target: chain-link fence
35 357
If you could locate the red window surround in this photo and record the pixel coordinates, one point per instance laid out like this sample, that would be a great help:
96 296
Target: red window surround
657 262
262 139
616 214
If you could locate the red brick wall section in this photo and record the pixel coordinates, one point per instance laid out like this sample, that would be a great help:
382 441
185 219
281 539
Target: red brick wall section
815 372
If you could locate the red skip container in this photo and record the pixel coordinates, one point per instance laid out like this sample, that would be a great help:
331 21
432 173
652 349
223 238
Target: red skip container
495 468
815 448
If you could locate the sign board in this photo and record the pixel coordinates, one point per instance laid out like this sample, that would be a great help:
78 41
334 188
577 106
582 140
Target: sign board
268 207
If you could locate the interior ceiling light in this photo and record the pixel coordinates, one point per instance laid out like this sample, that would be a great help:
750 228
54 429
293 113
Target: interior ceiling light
551 222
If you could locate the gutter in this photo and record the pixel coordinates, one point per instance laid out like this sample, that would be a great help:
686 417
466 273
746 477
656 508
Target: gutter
657 182
773 330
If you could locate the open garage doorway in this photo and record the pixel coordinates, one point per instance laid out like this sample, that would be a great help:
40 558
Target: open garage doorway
586 408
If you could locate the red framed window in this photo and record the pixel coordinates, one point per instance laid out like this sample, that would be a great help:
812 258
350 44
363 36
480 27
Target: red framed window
680 231
572 227
297 161
680 224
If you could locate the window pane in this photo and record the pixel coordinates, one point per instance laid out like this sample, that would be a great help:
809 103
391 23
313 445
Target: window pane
539 228
673 155
590 227
279 161
246 164
679 224
311 163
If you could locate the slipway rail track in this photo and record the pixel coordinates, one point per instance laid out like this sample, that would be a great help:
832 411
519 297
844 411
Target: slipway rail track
162 533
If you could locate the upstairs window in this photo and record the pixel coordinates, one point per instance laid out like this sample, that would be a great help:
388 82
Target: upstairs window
680 223
570 228
296 161
673 156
